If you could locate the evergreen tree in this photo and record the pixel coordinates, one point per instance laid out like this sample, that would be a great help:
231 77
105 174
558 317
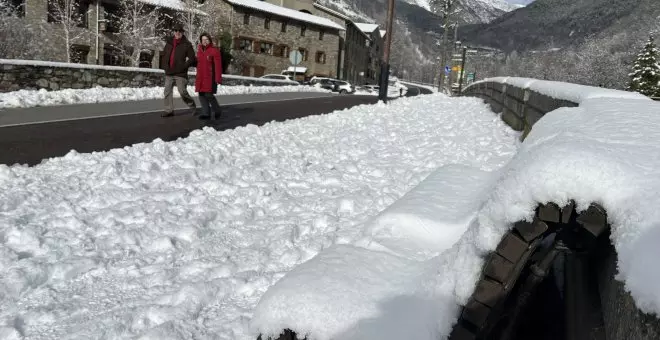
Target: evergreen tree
645 77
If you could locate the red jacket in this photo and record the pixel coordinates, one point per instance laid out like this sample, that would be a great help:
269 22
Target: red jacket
209 69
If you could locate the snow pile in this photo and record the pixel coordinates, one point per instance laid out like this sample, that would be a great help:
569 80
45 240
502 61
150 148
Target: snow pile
32 98
376 291
566 91
180 240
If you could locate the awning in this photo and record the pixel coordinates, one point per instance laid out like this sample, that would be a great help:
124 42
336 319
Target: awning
297 69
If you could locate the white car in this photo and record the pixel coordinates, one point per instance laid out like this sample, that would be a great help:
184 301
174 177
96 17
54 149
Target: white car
277 77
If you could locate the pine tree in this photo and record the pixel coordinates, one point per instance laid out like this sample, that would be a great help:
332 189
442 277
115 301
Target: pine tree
645 77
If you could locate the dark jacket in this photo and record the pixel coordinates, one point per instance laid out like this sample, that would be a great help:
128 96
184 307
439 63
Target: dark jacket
209 69
184 57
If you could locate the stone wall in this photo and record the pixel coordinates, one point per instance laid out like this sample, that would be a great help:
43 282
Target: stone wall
520 108
17 75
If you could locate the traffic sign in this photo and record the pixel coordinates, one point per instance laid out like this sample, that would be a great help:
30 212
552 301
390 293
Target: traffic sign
447 70
296 57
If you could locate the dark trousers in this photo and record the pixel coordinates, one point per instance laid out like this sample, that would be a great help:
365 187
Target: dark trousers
210 106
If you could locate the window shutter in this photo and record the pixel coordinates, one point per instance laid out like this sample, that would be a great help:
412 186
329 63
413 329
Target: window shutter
277 50
255 46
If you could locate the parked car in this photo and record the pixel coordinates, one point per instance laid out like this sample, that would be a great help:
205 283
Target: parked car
324 83
344 87
277 76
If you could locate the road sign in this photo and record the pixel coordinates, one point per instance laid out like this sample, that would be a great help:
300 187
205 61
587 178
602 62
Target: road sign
295 57
470 77
447 70
456 68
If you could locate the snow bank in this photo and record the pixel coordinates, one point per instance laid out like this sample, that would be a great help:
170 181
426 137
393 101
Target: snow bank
357 293
566 91
32 98
179 240
432 216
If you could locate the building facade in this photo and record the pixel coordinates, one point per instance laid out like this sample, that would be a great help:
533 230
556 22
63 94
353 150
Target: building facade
94 35
357 54
265 34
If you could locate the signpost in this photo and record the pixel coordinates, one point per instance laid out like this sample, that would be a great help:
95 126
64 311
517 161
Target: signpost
295 57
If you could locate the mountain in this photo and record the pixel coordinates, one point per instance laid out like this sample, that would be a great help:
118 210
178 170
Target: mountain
546 24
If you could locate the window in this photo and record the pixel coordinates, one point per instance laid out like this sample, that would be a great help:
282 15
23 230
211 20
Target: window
259 71
303 29
245 45
267 23
112 15
146 58
320 57
246 19
79 54
245 71
304 53
281 51
284 27
112 56
266 48
321 34
17 7
70 11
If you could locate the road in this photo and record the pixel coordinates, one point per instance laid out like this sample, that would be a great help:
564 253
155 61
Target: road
30 135
31 142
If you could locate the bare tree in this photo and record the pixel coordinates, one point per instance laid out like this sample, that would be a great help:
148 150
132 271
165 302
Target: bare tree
21 40
446 9
71 17
137 29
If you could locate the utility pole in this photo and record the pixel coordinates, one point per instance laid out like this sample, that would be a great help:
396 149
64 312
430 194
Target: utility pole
446 11
461 71
385 67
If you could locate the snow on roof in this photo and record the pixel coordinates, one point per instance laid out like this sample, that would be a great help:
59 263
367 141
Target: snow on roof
176 5
296 69
366 28
331 11
286 12
382 33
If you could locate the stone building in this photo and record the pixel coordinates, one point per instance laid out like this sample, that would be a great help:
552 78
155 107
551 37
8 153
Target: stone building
375 51
357 54
96 30
264 35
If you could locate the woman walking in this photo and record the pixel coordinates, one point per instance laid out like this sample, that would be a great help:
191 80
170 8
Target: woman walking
209 75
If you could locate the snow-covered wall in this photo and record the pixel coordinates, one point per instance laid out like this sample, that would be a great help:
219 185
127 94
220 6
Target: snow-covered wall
523 101
31 74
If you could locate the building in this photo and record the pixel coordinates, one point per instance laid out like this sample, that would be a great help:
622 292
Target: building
94 32
356 54
374 53
264 34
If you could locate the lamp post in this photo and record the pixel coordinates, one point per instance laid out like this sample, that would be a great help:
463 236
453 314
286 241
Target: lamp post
385 67
100 26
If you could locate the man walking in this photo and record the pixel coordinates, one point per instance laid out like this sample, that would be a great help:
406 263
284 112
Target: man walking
178 56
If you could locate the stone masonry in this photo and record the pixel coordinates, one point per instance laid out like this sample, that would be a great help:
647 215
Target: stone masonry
270 61
56 77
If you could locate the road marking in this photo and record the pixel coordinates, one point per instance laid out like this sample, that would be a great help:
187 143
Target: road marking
153 111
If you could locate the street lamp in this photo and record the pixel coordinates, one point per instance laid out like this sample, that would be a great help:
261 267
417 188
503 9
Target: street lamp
100 27
385 67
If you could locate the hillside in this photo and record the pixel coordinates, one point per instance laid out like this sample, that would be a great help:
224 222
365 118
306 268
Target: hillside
546 24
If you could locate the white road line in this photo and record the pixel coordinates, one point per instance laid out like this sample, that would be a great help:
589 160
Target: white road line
145 112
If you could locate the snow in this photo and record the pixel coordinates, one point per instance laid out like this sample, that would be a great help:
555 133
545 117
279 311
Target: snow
180 240
390 284
559 90
366 28
176 5
42 97
286 12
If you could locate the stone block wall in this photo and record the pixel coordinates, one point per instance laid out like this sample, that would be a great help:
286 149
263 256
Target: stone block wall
520 108
15 75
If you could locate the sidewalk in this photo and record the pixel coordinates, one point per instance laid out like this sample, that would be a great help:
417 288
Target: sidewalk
35 115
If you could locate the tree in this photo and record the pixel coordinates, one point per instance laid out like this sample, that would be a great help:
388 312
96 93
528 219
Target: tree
224 43
71 17
20 39
137 32
646 71
444 8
